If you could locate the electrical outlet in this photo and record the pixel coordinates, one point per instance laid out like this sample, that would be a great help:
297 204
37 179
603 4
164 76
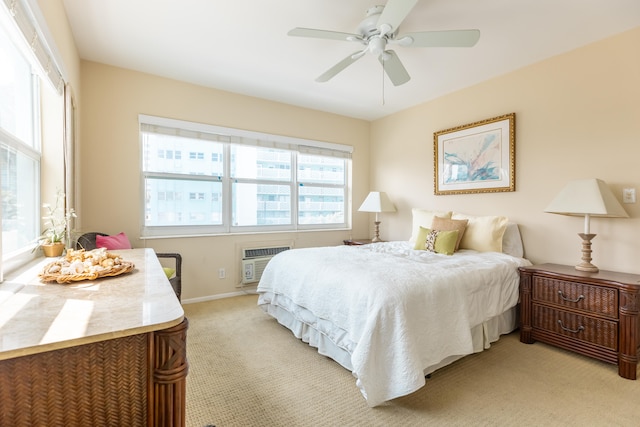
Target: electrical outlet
629 195
221 273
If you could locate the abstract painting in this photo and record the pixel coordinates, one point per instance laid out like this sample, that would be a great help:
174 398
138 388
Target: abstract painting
476 158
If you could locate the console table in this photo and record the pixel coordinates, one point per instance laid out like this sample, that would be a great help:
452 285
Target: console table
105 352
594 314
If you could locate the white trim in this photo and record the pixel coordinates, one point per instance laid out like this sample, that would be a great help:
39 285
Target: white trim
218 296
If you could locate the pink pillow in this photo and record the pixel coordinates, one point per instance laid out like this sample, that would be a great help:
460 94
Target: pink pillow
117 241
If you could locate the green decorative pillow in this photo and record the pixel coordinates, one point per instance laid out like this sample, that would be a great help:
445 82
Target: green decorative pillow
442 242
169 271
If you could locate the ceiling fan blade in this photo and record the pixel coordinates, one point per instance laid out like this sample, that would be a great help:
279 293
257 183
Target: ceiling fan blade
451 38
394 68
323 34
393 14
331 72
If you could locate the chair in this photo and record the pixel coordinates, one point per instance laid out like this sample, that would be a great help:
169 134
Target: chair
88 242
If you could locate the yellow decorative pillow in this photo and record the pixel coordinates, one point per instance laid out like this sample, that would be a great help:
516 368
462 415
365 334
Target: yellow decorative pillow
424 218
442 242
444 224
483 233
169 271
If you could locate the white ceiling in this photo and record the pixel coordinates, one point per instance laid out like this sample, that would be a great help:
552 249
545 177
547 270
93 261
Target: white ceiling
242 46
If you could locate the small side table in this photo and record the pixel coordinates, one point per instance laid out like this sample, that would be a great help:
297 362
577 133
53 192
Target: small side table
357 242
594 314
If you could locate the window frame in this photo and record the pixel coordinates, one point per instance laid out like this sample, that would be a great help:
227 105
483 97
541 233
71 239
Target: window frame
30 149
229 137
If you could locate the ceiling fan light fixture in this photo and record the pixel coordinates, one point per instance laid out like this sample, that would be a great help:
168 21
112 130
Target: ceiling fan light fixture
377 45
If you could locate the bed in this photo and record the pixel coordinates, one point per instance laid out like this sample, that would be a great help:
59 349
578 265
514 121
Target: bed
393 312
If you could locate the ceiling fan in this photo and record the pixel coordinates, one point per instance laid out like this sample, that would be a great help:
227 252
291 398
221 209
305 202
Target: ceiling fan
380 28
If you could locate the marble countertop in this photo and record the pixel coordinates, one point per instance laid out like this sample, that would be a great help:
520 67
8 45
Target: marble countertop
36 317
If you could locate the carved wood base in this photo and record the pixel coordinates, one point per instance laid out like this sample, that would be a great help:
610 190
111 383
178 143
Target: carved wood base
586 265
135 381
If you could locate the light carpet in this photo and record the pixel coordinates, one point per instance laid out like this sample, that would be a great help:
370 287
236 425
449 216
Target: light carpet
247 370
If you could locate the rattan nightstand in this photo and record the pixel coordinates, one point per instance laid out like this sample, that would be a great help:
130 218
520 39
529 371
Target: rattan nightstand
594 314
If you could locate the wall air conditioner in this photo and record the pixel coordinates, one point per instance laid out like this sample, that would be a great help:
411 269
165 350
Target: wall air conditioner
255 260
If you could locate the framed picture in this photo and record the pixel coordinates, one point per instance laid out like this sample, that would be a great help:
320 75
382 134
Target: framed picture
476 158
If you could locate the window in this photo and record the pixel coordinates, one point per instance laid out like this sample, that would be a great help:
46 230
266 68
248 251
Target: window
19 150
25 62
239 181
320 198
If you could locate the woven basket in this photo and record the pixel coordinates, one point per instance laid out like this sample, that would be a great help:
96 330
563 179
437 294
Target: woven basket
125 267
55 271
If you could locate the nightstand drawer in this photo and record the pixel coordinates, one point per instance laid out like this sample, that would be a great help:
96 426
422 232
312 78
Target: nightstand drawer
595 299
584 328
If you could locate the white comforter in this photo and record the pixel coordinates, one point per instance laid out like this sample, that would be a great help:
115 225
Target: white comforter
394 309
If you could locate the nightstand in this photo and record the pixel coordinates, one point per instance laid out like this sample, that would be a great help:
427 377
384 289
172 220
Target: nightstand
594 314
356 242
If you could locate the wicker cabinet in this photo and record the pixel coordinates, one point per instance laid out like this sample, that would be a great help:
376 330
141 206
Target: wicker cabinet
138 380
595 314
110 352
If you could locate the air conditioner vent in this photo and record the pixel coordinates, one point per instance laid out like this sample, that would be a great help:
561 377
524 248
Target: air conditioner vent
255 260
263 252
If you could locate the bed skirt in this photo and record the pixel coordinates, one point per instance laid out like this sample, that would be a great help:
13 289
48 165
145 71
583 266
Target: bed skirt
482 335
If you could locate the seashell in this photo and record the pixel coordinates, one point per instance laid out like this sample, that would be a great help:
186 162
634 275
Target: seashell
107 262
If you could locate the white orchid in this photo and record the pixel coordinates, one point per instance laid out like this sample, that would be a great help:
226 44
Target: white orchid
57 221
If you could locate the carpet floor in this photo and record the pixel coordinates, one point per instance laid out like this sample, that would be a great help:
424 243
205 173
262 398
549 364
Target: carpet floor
247 370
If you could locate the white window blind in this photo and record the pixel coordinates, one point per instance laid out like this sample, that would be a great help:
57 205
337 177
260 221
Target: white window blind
24 19
238 136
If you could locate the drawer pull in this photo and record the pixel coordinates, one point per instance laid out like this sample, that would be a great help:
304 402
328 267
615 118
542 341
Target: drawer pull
574 331
581 297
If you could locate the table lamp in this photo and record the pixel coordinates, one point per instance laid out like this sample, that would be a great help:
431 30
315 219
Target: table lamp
587 197
377 201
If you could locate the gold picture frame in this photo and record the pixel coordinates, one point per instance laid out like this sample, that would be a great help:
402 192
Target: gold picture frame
477 157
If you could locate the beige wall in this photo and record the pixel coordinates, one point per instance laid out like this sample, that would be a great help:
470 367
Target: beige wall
577 116
54 14
52 167
111 184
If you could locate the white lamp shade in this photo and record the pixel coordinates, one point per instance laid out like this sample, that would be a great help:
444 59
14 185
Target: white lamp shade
587 197
377 201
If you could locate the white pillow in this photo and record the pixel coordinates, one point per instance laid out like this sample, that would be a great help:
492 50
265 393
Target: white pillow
424 218
483 233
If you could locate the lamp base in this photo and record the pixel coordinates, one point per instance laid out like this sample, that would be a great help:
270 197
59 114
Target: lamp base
586 265
376 236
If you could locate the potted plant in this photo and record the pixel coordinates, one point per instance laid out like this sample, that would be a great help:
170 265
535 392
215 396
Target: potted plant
57 221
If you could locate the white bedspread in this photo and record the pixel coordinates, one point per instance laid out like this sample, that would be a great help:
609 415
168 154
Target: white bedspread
394 309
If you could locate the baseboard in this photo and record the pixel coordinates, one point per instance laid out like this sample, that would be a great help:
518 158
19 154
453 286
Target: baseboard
248 291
